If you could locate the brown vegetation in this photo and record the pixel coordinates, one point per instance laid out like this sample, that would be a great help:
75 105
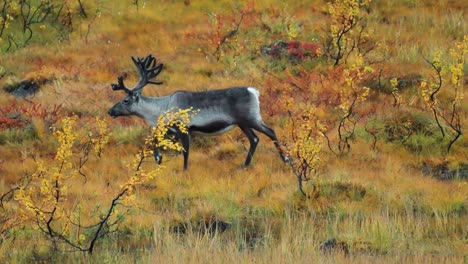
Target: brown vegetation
352 105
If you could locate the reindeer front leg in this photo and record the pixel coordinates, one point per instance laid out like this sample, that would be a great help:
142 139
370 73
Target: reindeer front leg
157 155
175 135
157 150
185 140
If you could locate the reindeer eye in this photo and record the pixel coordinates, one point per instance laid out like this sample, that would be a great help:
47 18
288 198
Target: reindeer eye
126 101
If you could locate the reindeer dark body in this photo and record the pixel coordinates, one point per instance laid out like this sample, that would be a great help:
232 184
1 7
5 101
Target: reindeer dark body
218 111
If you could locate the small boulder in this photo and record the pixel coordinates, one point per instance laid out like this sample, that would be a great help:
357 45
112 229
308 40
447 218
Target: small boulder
25 88
332 245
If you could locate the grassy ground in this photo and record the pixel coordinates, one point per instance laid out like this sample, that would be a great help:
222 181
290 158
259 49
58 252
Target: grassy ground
375 200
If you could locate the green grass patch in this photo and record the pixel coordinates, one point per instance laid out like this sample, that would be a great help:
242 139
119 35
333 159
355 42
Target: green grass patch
18 136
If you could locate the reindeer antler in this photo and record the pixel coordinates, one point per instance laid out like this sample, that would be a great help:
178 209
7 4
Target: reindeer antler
120 85
147 69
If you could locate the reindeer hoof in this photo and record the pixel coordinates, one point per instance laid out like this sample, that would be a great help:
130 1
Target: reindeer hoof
158 158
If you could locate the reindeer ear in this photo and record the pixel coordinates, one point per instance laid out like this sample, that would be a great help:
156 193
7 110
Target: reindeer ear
136 96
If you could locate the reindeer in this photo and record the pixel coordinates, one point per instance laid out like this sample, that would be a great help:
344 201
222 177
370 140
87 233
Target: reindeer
218 111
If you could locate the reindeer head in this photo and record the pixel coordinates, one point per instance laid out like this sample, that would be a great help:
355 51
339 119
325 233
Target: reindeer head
147 69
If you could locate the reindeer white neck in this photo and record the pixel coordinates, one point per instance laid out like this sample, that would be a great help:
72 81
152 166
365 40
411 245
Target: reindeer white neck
150 108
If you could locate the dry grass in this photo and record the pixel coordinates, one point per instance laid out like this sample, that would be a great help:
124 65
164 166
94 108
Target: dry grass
376 201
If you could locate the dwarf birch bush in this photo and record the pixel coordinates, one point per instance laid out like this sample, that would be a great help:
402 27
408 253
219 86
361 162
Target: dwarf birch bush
307 142
44 201
443 94
351 95
303 128
347 32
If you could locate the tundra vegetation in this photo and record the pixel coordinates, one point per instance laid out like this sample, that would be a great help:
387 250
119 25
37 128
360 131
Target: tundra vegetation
367 97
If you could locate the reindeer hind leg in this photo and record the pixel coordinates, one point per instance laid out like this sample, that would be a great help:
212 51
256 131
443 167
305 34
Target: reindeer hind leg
253 139
263 128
